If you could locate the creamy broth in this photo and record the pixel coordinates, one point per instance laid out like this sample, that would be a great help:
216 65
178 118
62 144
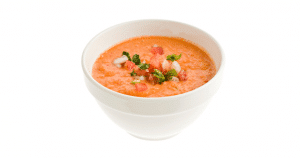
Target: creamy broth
197 65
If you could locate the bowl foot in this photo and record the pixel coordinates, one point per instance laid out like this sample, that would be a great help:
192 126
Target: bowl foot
154 138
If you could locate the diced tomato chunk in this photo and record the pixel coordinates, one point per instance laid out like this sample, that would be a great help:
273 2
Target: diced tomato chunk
140 72
141 87
154 63
182 75
130 65
151 77
157 50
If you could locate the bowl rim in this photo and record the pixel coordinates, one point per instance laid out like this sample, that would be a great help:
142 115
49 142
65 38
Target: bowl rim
114 93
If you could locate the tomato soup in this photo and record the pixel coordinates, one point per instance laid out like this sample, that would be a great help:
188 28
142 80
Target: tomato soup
153 66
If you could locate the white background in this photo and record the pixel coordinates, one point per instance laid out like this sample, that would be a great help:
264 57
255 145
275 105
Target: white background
46 110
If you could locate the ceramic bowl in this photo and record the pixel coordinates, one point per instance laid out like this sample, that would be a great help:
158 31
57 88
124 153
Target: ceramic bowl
152 118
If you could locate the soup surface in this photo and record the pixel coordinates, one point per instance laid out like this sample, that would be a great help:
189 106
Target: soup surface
153 66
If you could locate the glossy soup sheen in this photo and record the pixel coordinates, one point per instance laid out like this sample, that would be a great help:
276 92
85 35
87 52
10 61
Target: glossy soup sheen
198 65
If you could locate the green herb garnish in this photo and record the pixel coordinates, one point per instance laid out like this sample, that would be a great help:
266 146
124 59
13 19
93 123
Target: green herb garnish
159 75
173 57
136 59
127 54
132 73
170 74
135 81
144 66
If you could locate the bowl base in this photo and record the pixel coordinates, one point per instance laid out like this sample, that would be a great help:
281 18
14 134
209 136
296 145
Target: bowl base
154 139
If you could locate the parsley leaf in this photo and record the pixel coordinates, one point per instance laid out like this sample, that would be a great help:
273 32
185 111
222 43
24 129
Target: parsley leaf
144 66
173 57
136 59
159 75
127 54
170 74
132 73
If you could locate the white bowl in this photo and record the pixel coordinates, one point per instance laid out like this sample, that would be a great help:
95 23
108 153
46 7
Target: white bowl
152 118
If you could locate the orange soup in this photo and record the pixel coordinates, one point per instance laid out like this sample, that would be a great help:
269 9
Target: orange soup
153 66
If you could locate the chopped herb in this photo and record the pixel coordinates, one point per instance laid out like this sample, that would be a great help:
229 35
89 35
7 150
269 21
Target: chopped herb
170 74
136 59
173 57
144 66
127 54
159 75
135 81
132 73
